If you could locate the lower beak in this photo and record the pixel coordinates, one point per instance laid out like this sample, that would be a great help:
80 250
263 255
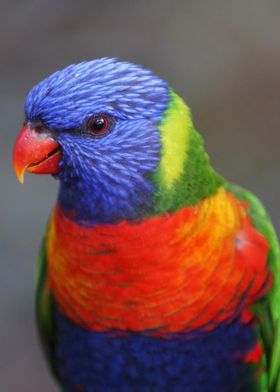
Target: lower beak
35 152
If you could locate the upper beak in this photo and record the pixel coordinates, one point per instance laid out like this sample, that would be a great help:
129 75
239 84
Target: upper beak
35 152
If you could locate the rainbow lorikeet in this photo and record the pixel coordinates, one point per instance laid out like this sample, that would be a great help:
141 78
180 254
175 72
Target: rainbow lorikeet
155 274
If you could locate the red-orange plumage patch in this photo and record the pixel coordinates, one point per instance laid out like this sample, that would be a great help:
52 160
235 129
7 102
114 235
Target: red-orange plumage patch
255 355
192 269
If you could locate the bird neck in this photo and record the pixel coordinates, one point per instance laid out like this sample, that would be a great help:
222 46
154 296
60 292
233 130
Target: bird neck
198 180
184 176
89 204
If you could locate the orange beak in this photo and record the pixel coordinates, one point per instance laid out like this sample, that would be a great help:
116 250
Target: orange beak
35 152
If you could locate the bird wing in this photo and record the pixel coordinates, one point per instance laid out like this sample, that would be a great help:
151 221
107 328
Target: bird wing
45 308
268 309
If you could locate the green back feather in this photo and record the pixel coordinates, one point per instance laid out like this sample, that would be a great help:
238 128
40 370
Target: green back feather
268 309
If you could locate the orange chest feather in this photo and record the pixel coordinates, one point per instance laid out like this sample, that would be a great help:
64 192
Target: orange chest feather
183 271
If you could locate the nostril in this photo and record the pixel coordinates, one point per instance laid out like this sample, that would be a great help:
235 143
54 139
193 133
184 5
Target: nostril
38 126
39 129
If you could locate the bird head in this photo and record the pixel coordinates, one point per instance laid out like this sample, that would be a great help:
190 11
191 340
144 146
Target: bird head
115 135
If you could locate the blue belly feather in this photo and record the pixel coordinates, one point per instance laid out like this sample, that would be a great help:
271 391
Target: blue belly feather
106 362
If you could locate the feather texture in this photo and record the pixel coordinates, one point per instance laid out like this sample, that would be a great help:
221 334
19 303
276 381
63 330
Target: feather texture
129 277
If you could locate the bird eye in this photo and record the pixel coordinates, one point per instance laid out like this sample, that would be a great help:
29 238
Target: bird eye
98 124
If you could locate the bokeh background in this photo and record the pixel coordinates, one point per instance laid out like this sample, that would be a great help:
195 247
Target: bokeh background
222 57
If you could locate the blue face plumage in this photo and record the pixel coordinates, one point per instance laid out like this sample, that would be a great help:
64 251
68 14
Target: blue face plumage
104 178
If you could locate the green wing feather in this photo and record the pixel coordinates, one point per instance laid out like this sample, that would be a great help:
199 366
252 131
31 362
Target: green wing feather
45 309
268 309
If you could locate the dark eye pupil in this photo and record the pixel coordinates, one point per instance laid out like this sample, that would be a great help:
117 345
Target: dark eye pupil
98 124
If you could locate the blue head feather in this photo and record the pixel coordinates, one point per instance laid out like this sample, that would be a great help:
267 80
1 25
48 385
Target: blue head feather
103 179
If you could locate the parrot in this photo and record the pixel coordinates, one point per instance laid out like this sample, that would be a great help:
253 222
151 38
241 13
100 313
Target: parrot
155 273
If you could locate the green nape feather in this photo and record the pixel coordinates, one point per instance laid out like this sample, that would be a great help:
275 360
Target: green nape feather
268 309
185 175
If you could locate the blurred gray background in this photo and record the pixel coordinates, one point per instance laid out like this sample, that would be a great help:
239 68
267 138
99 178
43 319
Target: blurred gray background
222 57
